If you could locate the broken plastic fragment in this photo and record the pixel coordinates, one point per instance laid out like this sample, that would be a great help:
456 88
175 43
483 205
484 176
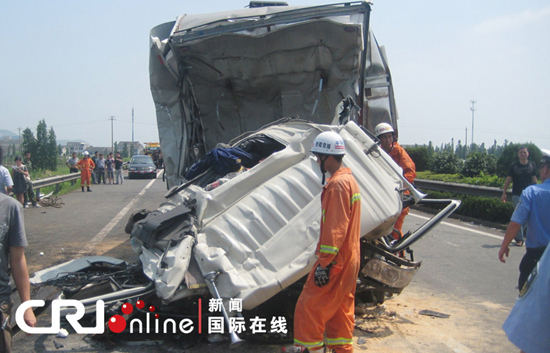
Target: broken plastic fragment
434 314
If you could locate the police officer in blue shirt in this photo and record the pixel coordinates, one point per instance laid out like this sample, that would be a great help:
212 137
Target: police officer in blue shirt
528 322
533 209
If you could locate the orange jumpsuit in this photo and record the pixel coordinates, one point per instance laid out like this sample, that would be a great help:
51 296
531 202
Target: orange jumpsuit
402 158
86 166
330 308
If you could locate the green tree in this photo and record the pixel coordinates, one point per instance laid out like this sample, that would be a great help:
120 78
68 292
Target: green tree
124 153
478 163
52 151
43 148
419 155
29 141
40 157
446 163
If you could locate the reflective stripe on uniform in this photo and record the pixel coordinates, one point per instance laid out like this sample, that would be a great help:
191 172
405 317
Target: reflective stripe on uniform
308 344
329 249
339 341
355 197
323 216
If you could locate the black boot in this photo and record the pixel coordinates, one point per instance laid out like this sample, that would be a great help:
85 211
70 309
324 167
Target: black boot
88 189
82 188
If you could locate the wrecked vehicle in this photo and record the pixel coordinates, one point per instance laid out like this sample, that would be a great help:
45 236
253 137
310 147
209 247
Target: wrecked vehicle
253 236
240 98
216 76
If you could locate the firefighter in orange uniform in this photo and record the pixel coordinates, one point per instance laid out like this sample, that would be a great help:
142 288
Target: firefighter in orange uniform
86 167
386 135
326 305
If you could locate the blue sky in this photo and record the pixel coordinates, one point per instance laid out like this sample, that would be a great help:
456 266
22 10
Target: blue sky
76 63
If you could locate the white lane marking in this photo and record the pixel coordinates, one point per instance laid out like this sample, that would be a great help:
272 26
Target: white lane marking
103 233
500 237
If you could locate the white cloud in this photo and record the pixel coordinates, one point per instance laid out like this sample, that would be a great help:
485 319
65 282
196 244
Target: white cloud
513 21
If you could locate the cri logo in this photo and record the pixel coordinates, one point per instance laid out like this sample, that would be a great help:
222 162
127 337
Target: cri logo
117 323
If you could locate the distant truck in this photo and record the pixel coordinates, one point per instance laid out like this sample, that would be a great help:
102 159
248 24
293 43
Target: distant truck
216 76
151 147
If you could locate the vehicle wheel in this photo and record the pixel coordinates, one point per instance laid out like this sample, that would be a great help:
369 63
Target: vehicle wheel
130 176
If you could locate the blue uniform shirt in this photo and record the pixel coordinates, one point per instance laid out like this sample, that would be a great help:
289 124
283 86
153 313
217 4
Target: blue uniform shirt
529 321
534 209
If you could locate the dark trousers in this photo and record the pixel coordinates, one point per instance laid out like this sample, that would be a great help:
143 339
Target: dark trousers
528 263
29 194
100 175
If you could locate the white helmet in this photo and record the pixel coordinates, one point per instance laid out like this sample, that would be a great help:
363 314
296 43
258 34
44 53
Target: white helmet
329 143
383 128
86 153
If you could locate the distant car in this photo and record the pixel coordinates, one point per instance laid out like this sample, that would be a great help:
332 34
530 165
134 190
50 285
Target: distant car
142 165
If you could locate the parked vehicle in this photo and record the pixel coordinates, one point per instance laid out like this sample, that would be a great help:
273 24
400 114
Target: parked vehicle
142 166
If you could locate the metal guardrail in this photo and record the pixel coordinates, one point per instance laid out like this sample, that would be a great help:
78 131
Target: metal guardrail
55 180
422 184
487 191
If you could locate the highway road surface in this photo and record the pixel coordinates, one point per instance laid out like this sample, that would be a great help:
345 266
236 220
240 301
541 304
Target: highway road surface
460 276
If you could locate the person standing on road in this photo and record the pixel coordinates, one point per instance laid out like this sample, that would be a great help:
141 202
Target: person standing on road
6 182
326 306
29 193
385 133
160 161
118 169
86 166
521 173
528 322
72 163
100 169
94 159
533 210
12 252
20 174
109 168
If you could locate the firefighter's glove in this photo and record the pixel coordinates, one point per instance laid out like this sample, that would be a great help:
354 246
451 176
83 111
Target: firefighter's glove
322 275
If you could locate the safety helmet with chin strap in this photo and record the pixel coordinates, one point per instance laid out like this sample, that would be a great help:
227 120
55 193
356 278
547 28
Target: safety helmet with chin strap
383 128
328 143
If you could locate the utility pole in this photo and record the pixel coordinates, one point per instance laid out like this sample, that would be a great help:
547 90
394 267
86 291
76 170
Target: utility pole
132 124
112 118
473 109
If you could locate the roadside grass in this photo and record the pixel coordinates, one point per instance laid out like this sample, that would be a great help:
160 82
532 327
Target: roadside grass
62 169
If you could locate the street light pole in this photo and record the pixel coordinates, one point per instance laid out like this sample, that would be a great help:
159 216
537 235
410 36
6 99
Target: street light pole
112 118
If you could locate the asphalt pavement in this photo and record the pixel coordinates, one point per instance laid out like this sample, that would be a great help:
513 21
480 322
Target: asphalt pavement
460 267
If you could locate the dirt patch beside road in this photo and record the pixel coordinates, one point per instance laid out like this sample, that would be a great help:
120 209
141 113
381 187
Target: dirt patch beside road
473 325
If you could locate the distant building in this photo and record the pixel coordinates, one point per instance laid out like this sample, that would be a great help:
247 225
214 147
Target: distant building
78 147
138 147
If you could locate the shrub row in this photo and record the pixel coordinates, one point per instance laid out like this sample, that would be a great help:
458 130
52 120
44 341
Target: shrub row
486 208
481 180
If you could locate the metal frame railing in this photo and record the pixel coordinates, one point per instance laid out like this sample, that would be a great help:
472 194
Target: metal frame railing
457 188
